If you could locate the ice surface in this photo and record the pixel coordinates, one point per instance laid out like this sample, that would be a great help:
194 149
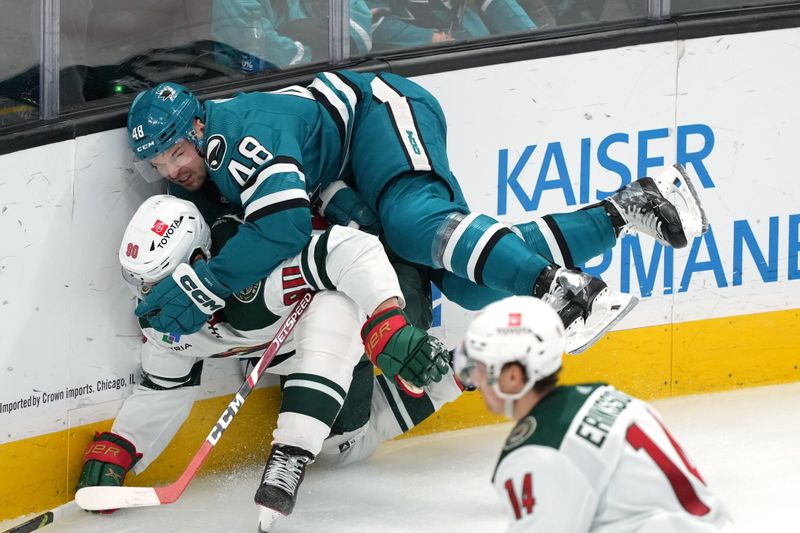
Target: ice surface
744 443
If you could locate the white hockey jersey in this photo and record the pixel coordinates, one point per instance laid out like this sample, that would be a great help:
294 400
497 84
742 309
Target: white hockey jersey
589 458
340 258
355 274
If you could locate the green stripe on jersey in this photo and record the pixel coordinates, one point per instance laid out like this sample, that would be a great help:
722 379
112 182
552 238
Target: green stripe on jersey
552 417
306 271
418 408
387 393
549 420
320 257
318 379
310 402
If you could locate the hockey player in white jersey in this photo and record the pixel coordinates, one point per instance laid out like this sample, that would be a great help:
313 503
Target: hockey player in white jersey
582 457
352 272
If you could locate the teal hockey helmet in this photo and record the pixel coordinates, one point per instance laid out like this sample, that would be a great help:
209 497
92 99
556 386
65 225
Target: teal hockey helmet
159 118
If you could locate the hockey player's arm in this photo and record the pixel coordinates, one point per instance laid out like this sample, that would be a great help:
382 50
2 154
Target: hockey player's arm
505 16
148 420
544 491
341 205
355 263
352 262
276 213
230 19
277 226
391 32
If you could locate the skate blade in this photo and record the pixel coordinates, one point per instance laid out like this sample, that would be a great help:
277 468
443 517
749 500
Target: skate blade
267 518
677 187
608 308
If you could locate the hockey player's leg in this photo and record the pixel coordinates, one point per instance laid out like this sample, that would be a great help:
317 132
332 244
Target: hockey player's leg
464 292
571 239
423 224
159 404
314 389
392 413
666 208
485 252
587 306
148 420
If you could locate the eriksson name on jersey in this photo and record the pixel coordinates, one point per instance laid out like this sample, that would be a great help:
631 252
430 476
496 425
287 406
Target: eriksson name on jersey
597 421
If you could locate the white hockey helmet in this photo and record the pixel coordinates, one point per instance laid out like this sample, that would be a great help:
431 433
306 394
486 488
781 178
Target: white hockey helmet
520 329
164 232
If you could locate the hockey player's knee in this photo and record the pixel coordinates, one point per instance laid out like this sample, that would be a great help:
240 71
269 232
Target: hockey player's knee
155 382
463 242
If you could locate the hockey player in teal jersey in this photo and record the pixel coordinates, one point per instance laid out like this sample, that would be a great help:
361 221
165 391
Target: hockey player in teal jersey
404 23
582 458
255 35
271 153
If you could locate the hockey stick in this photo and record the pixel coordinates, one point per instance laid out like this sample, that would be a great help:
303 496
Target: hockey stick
44 519
100 498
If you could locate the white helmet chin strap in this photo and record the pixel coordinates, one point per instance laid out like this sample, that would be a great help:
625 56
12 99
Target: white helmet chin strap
515 396
508 408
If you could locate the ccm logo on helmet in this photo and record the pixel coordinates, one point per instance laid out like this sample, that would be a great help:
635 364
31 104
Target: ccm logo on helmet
144 147
202 299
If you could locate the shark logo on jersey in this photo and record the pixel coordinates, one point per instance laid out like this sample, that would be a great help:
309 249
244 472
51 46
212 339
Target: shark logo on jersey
521 432
249 294
215 151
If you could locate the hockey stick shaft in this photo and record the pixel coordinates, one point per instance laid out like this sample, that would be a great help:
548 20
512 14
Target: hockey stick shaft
104 497
44 519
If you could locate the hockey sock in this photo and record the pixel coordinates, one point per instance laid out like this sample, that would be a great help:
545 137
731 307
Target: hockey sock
571 239
309 405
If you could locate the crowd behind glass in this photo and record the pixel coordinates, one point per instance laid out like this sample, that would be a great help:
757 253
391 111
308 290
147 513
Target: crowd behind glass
106 48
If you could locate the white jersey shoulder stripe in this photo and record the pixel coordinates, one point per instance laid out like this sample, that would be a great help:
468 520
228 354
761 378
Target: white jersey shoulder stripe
340 105
383 91
252 185
301 52
295 90
274 199
363 34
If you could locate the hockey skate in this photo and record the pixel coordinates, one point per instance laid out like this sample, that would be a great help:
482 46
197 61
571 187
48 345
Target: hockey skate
666 207
587 306
283 474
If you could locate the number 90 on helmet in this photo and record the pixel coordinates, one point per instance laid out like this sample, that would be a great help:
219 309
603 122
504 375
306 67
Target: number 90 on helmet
159 118
164 232
517 329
